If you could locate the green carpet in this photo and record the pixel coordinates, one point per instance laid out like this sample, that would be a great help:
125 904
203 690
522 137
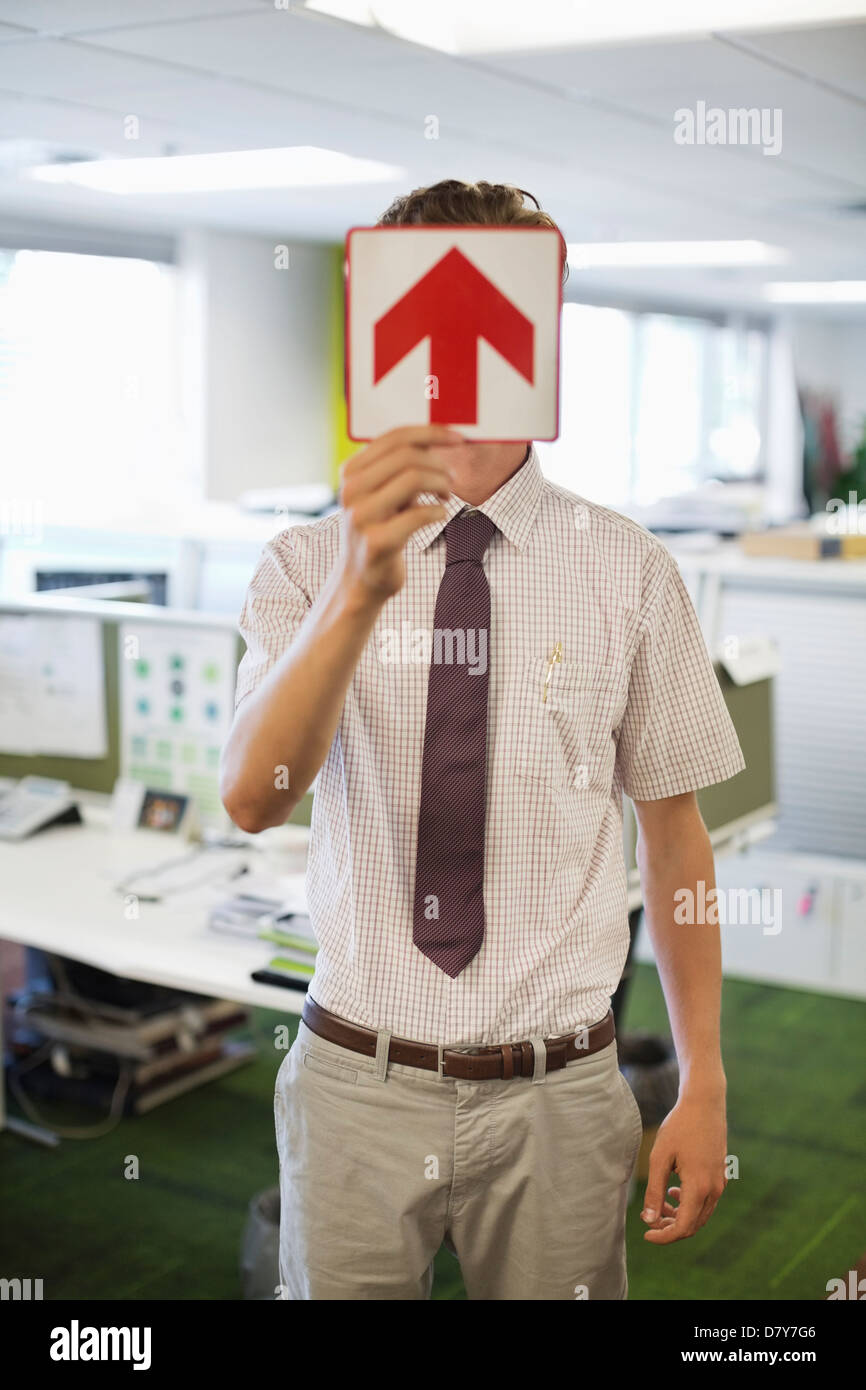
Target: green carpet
793 1219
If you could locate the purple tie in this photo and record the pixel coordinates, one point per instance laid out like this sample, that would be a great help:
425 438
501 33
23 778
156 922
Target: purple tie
449 875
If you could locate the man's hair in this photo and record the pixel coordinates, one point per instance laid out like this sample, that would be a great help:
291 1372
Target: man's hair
479 204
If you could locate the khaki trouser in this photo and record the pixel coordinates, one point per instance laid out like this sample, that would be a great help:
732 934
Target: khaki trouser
524 1180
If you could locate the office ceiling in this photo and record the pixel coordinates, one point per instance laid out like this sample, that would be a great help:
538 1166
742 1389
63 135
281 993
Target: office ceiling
588 130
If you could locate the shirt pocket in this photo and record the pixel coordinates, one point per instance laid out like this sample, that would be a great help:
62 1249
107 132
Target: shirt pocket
566 739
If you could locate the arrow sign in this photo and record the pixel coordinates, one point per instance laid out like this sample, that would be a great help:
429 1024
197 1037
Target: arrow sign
454 325
454 305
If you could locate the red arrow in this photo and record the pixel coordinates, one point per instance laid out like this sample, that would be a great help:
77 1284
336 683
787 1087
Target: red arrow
453 305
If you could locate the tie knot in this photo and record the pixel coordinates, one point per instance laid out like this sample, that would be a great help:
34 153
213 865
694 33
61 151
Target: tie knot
467 536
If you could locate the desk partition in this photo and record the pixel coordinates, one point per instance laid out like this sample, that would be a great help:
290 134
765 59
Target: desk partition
153 685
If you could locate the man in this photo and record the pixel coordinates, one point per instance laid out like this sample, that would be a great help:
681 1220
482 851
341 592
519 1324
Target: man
455 1074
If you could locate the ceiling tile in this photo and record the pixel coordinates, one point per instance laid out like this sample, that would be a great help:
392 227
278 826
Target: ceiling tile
835 55
77 16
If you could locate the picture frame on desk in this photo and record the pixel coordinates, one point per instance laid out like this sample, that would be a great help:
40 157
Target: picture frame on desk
135 806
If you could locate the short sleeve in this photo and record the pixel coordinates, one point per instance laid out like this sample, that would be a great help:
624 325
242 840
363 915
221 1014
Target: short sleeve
274 608
676 735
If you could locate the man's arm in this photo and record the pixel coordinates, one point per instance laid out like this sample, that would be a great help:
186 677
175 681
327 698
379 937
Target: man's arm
290 720
673 854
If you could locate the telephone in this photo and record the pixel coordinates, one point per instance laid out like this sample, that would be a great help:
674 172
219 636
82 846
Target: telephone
33 803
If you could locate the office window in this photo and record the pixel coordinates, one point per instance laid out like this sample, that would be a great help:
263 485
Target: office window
90 418
653 405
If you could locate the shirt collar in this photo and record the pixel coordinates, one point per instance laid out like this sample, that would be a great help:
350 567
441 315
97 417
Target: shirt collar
512 508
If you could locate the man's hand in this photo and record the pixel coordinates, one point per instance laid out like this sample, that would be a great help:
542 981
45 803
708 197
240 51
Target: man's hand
290 720
379 494
673 853
692 1142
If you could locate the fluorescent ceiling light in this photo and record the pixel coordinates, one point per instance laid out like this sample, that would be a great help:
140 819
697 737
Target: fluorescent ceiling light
488 26
816 292
299 166
644 254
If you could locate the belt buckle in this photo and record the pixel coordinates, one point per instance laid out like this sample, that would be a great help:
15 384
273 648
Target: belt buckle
441 1060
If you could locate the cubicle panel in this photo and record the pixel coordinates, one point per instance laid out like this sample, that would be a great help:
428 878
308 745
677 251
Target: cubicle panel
157 712
749 796
90 774
162 758
751 710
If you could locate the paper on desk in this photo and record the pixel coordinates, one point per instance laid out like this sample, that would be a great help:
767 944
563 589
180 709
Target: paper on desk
52 686
749 659
260 902
286 889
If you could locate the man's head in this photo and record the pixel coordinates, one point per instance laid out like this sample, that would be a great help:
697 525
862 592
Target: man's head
472 204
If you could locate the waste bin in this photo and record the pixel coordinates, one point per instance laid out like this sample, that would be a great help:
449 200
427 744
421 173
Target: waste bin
260 1243
649 1065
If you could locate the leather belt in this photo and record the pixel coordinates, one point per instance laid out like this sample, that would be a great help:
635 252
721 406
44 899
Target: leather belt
484 1064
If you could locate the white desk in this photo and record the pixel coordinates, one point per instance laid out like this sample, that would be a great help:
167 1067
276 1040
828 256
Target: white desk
59 894
817 940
